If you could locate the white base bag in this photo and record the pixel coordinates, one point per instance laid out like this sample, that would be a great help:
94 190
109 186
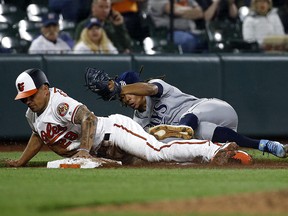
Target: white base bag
86 163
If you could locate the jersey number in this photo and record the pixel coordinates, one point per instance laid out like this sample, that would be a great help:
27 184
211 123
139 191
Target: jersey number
66 141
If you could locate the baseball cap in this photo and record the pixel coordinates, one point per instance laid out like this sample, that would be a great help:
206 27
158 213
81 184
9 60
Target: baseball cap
29 81
92 22
128 77
50 18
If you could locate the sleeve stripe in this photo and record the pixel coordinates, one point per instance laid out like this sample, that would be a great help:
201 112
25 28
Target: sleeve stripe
160 90
73 114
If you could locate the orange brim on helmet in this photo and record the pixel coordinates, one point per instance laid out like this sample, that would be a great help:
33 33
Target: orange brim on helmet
26 94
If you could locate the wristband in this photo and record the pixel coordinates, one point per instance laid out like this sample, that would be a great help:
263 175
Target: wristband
83 149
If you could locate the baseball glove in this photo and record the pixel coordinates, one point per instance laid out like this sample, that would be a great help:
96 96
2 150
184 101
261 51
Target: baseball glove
97 81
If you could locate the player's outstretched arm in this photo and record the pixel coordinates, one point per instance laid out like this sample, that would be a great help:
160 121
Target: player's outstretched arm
88 123
140 89
33 147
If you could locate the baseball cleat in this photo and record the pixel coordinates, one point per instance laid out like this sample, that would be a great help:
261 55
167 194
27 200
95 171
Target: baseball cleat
224 153
242 158
273 147
166 131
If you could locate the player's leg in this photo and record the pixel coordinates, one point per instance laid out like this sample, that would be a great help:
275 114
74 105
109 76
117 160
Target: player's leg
205 110
207 115
131 138
217 121
201 151
189 119
223 134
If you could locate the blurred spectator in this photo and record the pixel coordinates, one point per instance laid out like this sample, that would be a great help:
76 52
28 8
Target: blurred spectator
219 9
283 14
262 21
94 40
49 40
72 10
130 10
185 34
112 22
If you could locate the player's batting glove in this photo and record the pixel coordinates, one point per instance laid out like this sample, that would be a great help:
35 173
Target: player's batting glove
97 81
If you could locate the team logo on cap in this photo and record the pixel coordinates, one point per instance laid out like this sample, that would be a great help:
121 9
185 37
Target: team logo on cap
20 86
122 83
62 109
51 16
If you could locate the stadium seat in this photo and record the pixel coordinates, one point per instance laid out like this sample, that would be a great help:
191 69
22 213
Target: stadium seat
11 14
35 12
29 30
13 44
226 36
39 2
136 47
158 42
155 45
67 27
243 12
6 29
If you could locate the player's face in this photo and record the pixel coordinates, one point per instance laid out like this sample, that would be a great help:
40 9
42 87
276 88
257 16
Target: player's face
39 101
134 101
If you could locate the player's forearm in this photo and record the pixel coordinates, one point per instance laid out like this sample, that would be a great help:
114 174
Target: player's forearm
140 89
88 128
88 123
33 147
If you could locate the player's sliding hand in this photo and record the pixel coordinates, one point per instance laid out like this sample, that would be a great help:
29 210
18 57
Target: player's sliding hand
11 163
82 154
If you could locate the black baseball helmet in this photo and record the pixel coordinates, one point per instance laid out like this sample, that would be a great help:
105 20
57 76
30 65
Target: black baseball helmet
29 81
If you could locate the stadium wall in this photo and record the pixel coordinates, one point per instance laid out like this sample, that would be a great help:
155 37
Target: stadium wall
255 85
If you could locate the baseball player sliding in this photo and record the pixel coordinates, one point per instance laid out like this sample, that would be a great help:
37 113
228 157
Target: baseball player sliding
69 129
157 103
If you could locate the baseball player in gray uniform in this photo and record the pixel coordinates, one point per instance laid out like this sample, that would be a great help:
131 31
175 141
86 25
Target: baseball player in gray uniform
69 129
157 103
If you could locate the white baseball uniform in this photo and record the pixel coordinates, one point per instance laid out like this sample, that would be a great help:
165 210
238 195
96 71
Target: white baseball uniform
56 126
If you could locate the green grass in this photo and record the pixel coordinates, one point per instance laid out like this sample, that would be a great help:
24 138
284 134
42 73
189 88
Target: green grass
34 191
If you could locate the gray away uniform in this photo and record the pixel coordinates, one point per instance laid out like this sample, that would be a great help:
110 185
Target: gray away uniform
170 104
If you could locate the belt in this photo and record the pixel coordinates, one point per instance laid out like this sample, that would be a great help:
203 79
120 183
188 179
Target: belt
106 136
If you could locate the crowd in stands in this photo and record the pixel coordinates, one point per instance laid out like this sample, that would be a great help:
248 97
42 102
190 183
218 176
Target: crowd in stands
130 26
112 22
